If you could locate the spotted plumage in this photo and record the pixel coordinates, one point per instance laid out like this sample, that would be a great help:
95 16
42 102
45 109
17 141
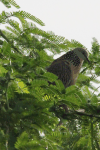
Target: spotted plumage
67 66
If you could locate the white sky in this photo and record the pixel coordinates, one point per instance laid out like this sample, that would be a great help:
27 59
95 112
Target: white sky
73 19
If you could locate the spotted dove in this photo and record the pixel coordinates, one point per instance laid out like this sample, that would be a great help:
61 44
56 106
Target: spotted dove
67 66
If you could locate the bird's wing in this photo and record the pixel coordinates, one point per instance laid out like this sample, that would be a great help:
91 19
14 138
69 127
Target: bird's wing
62 70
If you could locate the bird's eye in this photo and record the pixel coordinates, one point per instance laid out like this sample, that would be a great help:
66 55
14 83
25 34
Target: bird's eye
83 53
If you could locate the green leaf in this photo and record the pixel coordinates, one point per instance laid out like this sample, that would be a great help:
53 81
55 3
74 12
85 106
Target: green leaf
25 15
39 82
6 49
8 3
51 77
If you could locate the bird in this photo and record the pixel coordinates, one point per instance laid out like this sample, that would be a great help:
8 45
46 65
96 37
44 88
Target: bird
67 67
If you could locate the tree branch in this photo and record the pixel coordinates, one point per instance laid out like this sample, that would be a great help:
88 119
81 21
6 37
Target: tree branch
9 42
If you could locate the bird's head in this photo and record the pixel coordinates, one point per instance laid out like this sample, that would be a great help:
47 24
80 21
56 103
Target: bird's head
81 53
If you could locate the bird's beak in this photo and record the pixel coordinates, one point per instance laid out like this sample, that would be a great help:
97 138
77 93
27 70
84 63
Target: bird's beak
88 60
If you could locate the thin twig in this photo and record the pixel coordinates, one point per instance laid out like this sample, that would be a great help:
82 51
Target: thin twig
9 42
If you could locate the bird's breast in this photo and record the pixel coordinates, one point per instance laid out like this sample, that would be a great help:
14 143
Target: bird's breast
75 71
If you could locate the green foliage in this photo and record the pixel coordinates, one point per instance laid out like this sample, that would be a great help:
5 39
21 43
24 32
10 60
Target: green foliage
8 3
31 109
